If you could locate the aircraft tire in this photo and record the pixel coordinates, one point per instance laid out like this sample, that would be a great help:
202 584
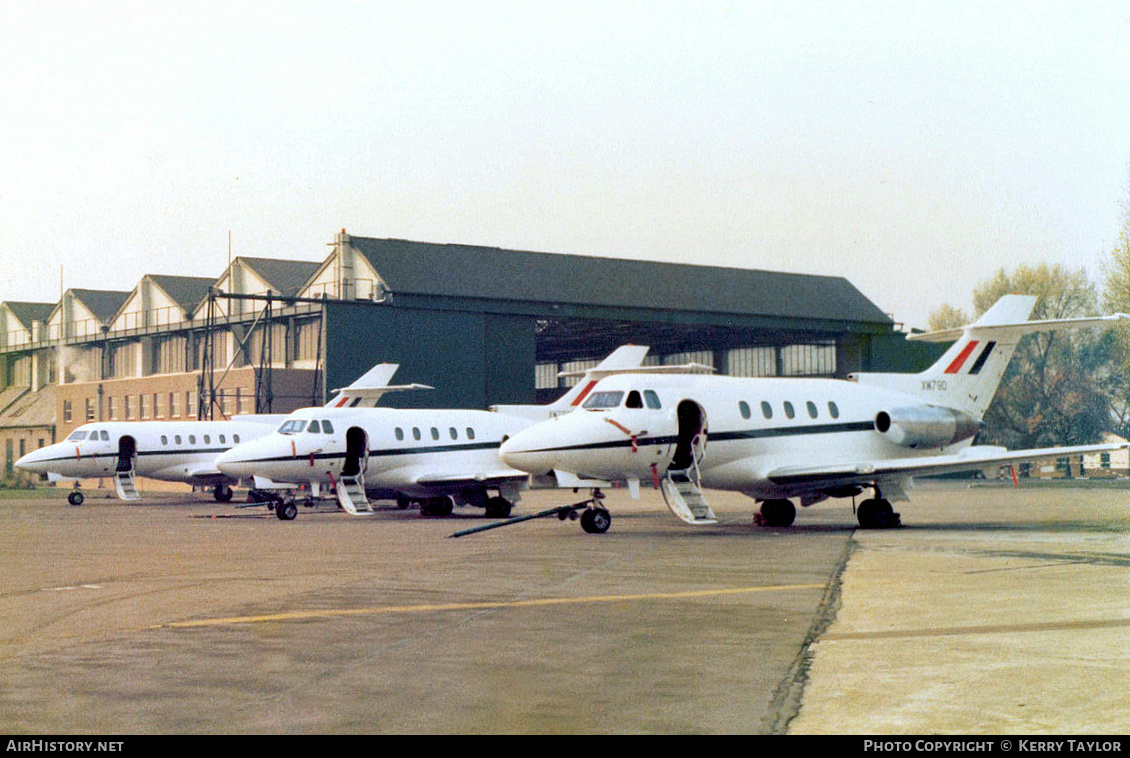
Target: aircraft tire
75 498
876 513
222 494
437 506
596 520
498 507
286 511
779 512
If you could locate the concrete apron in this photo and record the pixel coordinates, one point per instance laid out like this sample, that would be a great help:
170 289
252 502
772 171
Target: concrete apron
1017 626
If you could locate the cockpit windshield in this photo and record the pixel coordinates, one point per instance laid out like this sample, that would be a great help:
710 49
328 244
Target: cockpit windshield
76 436
293 426
604 400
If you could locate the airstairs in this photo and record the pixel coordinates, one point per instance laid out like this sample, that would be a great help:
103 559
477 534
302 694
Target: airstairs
683 493
351 495
125 485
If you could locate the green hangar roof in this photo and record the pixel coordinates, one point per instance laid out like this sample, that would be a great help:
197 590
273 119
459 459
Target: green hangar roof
431 270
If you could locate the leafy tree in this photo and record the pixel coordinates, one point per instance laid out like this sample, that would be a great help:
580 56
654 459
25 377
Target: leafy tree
947 317
1116 298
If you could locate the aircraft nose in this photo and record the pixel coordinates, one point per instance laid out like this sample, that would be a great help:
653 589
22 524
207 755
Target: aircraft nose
528 450
36 460
251 458
234 462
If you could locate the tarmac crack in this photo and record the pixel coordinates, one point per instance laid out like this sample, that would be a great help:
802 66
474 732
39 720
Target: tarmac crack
786 702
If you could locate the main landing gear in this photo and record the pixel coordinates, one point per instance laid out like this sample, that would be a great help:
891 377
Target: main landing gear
877 513
776 512
222 493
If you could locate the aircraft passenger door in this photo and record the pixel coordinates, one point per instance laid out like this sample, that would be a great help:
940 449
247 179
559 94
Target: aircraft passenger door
356 452
690 444
124 482
127 453
351 489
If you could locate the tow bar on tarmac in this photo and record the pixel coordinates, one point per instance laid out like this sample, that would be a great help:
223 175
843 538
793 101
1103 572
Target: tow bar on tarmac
594 520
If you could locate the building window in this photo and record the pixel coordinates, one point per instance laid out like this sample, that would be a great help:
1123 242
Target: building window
68 413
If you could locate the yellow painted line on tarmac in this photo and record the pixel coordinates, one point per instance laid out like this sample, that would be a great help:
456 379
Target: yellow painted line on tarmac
487 605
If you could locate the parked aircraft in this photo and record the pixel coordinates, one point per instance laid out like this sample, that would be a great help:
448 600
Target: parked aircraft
176 451
437 457
780 438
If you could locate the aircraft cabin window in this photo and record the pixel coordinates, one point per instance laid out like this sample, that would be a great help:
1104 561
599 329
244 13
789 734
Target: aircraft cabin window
766 409
743 406
416 433
833 409
454 434
192 439
207 439
604 400
327 428
105 435
811 409
651 399
399 433
176 438
164 439
235 438
435 433
634 400
789 410
223 440
470 433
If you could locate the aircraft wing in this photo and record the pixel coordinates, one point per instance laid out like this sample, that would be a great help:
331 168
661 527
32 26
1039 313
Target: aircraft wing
969 459
456 479
206 475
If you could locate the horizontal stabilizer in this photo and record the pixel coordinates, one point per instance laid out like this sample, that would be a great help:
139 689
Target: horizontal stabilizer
370 387
1015 330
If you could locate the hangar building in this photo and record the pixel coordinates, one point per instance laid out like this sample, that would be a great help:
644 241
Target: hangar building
482 325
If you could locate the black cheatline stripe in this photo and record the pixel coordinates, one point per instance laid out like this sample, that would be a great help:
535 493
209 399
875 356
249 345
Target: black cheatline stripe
386 453
984 356
781 431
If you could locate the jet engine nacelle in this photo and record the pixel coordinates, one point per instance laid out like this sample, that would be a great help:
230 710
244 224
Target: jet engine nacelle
925 426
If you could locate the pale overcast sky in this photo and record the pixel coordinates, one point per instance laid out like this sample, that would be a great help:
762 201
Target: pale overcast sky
911 147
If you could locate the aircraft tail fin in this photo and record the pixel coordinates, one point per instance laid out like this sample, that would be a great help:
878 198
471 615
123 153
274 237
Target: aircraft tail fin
968 374
623 358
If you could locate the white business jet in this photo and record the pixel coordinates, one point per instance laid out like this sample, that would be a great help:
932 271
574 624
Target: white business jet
175 451
774 439
440 458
